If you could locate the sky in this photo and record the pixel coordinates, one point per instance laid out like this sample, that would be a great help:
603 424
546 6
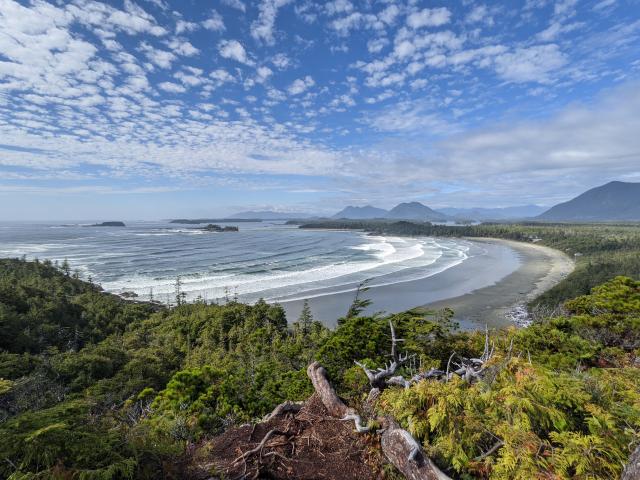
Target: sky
156 109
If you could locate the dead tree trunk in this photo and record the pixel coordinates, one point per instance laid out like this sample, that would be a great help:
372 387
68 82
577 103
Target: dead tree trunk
330 399
405 453
398 445
632 470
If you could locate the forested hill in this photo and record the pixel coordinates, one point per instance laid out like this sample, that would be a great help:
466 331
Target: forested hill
614 201
95 387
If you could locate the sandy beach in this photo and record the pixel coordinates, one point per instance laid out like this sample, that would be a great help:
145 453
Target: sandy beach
498 276
541 268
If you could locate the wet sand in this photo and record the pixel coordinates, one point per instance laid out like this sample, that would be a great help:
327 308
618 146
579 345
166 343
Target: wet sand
483 289
541 268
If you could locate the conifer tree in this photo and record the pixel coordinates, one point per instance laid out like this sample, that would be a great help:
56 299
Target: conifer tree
305 320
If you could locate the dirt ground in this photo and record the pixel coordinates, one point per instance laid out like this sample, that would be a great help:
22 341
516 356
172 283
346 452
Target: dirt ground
308 444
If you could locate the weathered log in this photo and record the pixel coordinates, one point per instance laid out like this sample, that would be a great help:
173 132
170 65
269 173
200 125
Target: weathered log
405 453
325 391
632 470
398 445
330 399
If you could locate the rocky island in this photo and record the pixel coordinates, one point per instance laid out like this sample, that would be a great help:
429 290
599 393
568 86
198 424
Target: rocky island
217 228
109 224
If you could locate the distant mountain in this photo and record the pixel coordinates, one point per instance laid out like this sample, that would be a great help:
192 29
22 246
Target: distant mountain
415 211
270 215
361 213
615 201
506 213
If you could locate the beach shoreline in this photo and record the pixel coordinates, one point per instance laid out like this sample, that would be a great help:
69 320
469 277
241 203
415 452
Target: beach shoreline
541 268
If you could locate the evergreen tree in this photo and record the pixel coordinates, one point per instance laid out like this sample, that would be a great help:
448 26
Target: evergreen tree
66 268
305 320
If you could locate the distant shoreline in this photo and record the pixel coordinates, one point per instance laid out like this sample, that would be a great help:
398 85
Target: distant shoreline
541 268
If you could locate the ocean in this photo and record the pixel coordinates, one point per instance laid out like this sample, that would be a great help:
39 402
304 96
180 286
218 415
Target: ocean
270 260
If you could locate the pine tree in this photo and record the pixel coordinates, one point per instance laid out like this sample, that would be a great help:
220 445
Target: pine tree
180 295
305 320
66 268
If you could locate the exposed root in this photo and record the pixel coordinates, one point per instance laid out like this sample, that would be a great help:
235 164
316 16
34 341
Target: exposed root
260 446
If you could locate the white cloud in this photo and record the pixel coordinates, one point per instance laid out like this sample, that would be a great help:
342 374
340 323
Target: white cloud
556 29
182 47
604 5
263 28
429 17
161 58
338 6
234 50
214 22
184 26
479 14
237 4
531 64
404 49
389 14
172 87
222 76
564 8
355 20
281 61
301 85
377 44
263 73
191 77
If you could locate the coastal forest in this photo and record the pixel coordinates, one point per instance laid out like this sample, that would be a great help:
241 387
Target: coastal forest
94 386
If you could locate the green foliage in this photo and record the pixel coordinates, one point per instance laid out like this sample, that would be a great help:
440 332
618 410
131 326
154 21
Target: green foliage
98 388
553 420
41 307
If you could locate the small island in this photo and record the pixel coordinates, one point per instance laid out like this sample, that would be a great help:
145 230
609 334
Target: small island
217 228
197 221
109 224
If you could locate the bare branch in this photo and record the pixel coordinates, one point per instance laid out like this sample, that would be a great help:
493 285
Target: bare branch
260 446
357 420
494 448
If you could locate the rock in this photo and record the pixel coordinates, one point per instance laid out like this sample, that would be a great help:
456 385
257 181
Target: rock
109 224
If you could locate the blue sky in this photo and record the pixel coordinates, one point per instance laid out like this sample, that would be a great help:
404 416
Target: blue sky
155 109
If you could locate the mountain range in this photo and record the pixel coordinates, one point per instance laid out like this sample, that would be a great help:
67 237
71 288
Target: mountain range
614 201
361 213
420 212
403 211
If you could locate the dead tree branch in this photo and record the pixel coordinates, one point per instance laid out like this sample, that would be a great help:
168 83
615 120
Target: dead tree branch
377 378
286 407
493 449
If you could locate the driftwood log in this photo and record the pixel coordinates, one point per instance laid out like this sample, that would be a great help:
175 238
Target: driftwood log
405 453
398 445
632 470
330 399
